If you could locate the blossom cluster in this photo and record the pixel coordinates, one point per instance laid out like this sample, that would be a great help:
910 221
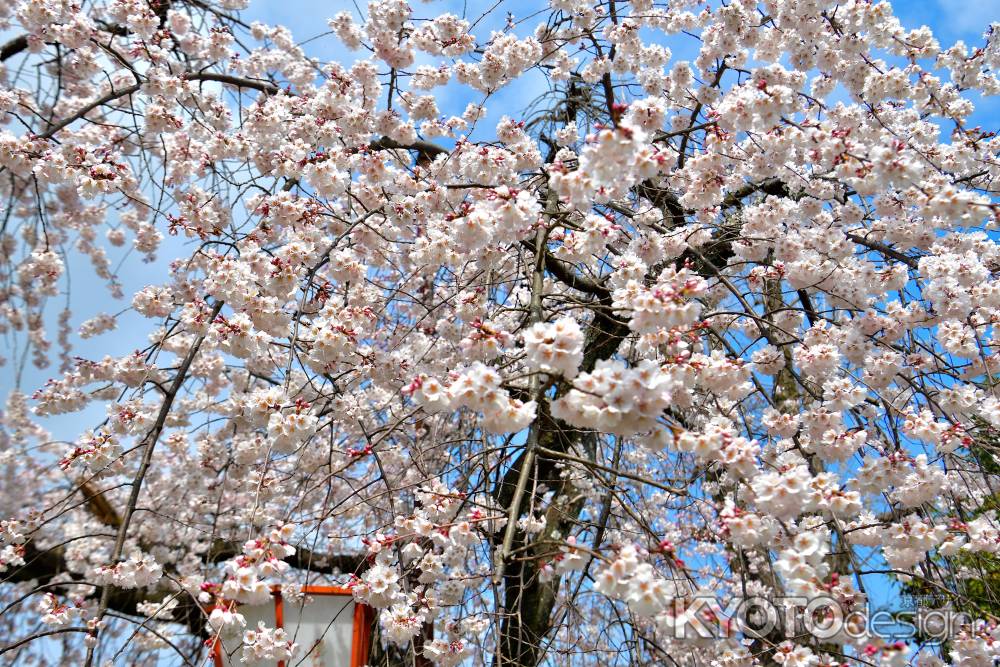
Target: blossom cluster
263 645
137 571
262 558
555 347
477 387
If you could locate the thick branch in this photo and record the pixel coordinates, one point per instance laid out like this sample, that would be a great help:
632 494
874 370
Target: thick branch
425 149
13 47
239 82
42 566
99 506
564 273
884 249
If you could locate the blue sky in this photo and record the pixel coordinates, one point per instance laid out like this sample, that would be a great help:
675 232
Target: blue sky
951 20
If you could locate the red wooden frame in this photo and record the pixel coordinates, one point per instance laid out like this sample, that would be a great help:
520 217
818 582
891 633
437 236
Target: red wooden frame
361 637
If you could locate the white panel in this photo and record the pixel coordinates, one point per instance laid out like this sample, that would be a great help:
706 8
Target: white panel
323 629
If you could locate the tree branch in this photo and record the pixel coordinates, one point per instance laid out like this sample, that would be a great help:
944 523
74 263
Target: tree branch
426 149
13 47
239 82
563 271
113 95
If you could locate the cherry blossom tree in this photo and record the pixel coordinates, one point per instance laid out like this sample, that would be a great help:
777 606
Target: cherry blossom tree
535 324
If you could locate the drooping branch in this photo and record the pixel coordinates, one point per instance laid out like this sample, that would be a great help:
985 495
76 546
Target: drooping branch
149 445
